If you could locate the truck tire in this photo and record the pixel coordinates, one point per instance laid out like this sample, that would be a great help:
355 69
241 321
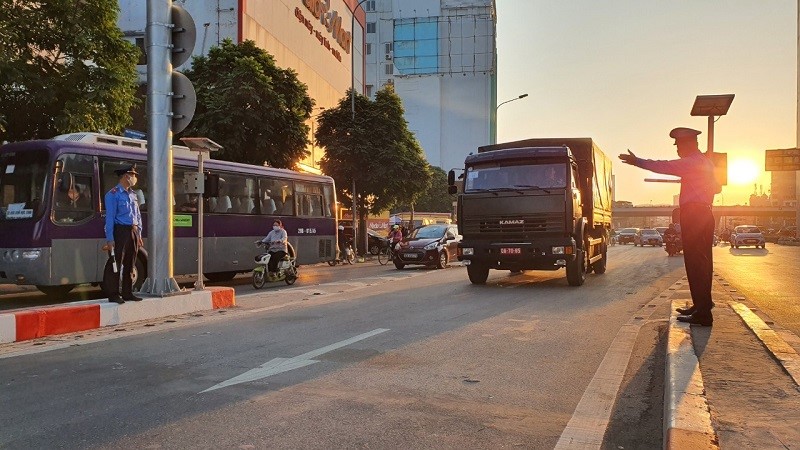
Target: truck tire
576 269
600 266
477 273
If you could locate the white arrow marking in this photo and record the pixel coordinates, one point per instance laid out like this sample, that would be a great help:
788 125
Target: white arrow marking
279 365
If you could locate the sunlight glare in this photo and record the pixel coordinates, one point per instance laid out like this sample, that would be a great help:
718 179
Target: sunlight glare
743 171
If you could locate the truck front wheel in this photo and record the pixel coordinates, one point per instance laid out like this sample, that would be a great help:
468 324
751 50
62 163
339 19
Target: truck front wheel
576 269
478 273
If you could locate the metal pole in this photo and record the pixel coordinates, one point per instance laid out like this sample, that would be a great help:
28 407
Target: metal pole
159 280
710 146
353 107
198 285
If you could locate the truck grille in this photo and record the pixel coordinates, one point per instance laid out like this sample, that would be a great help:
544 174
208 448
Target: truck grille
520 226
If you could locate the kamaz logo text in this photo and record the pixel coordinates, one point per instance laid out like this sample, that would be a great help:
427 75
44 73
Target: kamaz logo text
511 222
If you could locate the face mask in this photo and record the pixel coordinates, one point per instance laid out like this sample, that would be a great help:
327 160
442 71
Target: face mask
276 228
132 180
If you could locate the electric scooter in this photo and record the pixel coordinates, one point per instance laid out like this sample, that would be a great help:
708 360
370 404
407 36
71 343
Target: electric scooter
286 268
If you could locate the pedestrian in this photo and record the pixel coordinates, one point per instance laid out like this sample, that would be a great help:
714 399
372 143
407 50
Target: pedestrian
698 186
123 235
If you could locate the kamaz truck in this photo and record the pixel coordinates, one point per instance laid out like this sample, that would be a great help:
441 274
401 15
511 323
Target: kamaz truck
535 204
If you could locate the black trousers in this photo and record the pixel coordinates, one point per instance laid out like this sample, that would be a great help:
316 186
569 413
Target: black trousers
697 234
125 250
273 260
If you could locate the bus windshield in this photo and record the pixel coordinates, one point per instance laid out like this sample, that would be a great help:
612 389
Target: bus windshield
22 183
480 178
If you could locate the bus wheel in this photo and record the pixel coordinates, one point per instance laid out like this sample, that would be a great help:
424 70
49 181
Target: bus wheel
220 276
139 274
56 292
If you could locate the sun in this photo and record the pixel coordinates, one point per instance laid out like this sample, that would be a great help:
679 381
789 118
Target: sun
743 171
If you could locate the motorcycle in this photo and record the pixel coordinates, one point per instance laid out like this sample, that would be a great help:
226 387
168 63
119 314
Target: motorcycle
286 268
348 256
672 244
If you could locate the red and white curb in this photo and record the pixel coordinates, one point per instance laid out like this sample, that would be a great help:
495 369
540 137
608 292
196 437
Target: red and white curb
28 324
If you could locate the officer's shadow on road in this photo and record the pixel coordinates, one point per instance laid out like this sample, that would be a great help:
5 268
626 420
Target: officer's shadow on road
749 251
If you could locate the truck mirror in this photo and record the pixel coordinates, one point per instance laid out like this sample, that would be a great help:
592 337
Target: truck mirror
452 189
451 178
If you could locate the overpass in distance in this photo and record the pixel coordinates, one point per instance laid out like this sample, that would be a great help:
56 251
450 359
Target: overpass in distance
719 211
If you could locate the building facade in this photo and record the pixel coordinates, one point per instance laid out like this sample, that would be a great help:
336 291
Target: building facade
783 188
440 56
321 40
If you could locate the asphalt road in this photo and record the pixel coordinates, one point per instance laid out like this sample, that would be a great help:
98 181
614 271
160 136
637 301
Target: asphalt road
371 357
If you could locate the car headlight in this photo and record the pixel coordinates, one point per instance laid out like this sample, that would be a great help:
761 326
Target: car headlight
467 251
31 254
431 246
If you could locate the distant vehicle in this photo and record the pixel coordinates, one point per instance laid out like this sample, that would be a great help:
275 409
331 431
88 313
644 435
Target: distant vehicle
627 235
790 231
661 231
648 236
376 242
746 235
431 245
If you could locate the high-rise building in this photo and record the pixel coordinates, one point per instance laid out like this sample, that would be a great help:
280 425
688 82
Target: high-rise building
312 37
440 56
783 188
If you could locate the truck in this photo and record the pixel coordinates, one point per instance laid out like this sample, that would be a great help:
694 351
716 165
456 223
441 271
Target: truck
535 204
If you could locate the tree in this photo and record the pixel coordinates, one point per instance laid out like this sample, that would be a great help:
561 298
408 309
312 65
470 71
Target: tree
376 150
63 68
435 198
250 106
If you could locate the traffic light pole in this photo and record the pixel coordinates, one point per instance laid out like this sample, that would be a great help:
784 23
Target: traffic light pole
159 280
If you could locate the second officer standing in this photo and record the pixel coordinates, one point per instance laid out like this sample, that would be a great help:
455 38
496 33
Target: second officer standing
124 234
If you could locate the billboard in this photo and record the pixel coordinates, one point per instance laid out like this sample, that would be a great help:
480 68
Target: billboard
782 159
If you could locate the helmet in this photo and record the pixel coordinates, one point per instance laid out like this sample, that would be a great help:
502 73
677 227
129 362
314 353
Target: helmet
341 227
395 226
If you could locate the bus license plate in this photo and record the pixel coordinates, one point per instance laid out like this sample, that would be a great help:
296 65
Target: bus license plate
511 251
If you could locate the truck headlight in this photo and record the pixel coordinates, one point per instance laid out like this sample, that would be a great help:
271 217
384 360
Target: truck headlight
31 254
558 250
467 251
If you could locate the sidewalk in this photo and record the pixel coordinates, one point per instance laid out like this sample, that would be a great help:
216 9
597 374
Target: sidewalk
735 385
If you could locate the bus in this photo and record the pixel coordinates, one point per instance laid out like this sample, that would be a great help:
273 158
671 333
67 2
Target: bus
52 214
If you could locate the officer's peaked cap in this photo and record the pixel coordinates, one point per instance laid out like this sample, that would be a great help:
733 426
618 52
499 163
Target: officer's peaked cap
683 133
126 169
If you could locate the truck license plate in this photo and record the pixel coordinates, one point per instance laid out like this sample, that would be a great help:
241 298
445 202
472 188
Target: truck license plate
510 250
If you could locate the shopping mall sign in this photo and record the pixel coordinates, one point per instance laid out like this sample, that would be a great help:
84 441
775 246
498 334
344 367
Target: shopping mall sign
782 159
331 20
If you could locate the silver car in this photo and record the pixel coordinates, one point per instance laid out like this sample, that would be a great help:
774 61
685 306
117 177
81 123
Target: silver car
745 235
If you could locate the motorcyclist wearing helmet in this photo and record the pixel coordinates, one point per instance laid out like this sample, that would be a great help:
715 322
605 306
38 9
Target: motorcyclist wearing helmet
276 240
341 239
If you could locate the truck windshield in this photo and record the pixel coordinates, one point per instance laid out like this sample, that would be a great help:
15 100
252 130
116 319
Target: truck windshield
22 183
540 176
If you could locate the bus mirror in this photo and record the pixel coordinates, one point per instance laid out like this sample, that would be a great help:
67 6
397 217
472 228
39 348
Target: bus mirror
452 189
66 181
211 186
451 178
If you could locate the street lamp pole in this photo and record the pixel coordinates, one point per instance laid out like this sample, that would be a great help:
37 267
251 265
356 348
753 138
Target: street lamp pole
494 127
353 107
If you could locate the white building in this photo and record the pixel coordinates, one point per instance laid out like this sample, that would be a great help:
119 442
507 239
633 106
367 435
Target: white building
313 37
440 55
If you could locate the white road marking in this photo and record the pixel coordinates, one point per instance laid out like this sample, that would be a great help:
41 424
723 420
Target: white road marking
587 426
279 365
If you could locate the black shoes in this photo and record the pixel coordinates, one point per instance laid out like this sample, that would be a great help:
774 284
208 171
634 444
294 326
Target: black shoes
689 311
705 320
116 299
131 298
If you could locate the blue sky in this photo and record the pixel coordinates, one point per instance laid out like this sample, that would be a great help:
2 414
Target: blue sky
627 72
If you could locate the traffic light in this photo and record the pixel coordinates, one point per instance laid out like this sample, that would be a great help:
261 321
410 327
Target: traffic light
184 98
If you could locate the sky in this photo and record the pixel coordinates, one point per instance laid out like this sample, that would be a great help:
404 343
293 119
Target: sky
625 72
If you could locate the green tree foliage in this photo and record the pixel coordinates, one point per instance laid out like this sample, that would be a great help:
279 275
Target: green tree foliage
435 198
377 150
64 67
254 109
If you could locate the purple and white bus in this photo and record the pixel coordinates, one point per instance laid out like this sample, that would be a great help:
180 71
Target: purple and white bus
52 213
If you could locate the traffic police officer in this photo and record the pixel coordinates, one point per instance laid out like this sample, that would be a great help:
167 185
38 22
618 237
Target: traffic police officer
698 186
123 234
